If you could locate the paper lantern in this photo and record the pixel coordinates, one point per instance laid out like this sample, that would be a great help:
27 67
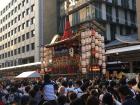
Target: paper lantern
97 55
103 51
86 48
83 48
89 32
100 56
83 63
99 37
82 35
96 35
89 47
103 58
93 39
93 52
87 61
103 64
83 41
100 50
102 39
100 62
96 48
93 45
89 39
88 54
103 45
104 71
83 56
100 43
84 70
96 41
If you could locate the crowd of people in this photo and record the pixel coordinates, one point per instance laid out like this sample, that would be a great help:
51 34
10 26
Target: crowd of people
63 91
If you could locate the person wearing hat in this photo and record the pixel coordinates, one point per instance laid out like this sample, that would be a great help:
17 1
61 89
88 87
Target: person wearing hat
136 99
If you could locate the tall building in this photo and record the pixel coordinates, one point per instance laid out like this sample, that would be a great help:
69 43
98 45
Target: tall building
25 26
117 16
138 17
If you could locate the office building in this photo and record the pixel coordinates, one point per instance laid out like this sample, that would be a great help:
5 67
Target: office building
117 16
25 26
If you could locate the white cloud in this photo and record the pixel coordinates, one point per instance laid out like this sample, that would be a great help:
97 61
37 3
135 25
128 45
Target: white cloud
3 3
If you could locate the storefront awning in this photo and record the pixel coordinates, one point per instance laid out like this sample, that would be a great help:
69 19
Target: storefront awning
123 49
21 66
29 74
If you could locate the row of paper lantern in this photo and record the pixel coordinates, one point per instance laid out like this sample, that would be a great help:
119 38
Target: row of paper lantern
89 33
95 42
85 62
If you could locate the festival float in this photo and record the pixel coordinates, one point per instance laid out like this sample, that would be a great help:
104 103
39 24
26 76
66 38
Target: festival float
75 53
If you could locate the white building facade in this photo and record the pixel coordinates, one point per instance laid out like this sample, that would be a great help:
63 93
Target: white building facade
24 29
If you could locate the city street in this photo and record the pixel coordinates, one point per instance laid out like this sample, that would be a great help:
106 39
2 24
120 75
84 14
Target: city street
69 52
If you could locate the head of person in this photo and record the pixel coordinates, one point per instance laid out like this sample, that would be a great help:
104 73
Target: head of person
72 96
77 101
62 100
124 92
107 99
61 90
70 83
78 84
47 78
92 100
65 83
112 84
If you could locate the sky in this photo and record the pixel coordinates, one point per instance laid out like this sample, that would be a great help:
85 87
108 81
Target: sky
3 3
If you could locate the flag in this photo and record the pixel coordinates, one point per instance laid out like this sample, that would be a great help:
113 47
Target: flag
67 31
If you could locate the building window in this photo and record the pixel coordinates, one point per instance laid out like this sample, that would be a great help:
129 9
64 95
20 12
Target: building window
11 42
19 16
8 34
19 51
23 2
109 13
23 37
12 22
15 9
27 23
113 31
15 30
27 11
5 45
23 14
32 46
23 49
32 8
12 53
27 35
32 33
33 20
12 12
12 32
19 39
9 54
15 52
19 6
5 55
15 19
27 1
23 25
27 48
8 44
15 41
19 28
